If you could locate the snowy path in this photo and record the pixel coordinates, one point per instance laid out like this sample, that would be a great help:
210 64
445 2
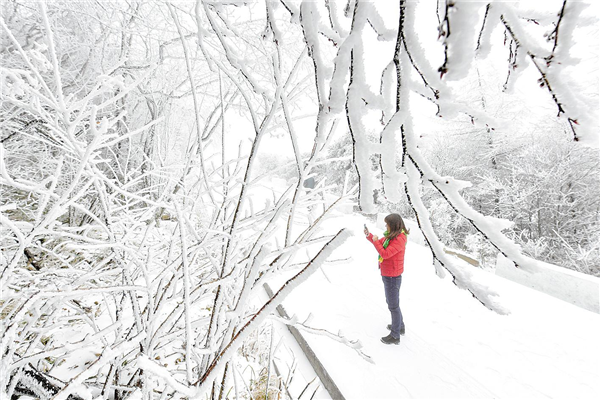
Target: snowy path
454 347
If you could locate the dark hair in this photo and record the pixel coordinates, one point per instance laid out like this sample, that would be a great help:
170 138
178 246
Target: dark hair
396 224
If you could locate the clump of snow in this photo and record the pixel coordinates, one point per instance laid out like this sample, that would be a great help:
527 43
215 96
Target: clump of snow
461 37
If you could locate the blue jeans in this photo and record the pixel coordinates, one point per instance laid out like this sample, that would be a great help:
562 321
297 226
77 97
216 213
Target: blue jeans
391 284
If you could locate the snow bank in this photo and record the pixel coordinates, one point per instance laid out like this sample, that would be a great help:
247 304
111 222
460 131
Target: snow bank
571 286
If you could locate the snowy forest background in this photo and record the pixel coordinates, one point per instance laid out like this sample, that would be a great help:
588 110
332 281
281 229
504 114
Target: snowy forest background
134 134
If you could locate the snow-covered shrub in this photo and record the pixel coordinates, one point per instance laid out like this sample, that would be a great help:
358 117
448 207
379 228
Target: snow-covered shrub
584 259
275 165
483 251
541 181
337 166
98 287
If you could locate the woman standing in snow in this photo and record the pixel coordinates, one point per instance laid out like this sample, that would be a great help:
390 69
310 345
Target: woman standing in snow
391 249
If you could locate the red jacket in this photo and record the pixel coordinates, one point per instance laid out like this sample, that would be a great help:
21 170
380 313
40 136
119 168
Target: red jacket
393 256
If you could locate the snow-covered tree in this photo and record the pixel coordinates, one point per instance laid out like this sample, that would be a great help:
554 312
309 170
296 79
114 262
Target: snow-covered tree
466 30
157 274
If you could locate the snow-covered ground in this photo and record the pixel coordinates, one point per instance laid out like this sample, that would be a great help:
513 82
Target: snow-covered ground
454 347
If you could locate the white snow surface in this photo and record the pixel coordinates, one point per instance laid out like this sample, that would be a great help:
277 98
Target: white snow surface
454 347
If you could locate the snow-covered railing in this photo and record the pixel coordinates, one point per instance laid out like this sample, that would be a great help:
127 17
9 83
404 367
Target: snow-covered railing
571 286
314 361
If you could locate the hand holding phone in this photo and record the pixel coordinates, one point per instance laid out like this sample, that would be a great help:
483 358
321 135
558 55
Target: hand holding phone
366 230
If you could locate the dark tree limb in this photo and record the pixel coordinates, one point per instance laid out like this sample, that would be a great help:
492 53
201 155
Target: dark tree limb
543 80
33 383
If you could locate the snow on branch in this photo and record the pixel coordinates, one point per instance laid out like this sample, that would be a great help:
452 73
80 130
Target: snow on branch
457 29
551 66
461 276
354 344
269 307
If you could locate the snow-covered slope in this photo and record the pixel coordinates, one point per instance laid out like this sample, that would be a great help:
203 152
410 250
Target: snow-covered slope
454 347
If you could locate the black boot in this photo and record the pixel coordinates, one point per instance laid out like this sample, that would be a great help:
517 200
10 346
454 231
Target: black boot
402 330
389 339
